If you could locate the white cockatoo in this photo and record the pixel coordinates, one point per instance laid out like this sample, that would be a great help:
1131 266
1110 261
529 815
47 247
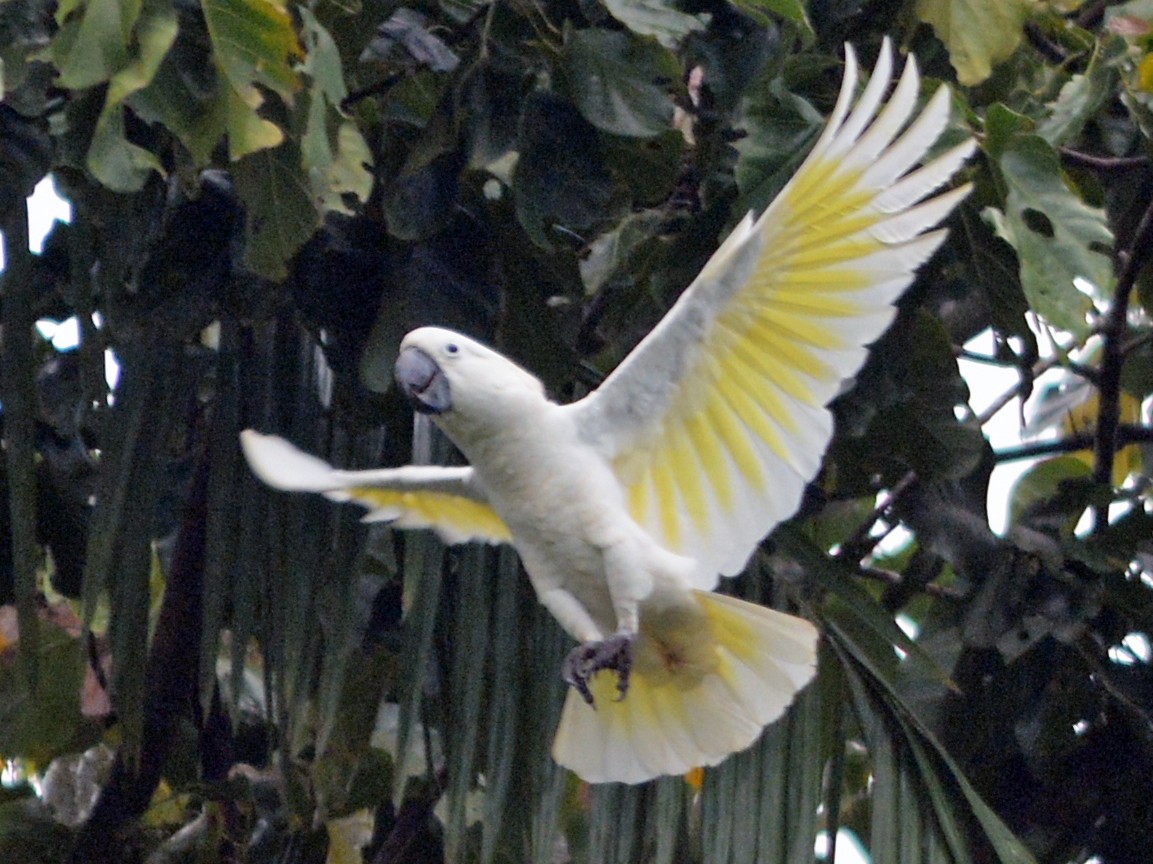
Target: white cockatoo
627 505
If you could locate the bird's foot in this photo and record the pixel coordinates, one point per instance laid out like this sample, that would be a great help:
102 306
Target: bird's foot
588 658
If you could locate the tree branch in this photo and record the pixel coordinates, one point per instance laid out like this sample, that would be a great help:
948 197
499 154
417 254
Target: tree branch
1132 260
172 670
1126 434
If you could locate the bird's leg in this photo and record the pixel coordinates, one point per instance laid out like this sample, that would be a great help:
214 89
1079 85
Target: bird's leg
588 658
594 651
629 581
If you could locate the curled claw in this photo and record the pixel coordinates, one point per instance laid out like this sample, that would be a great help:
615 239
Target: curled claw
588 658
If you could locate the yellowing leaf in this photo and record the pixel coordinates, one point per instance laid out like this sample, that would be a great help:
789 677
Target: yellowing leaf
335 155
1145 73
349 173
346 836
248 132
1083 419
167 807
252 42
978 33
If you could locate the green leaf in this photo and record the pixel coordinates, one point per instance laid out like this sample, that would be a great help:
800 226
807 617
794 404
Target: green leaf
350 171
24 30
27 157
31 835
201 119
92 45
322 61
790 10
491 103
1137 373
117 162
560 183
868 629
173 100
279 208
978 33
656 18
620 83
1057 236
1082 96
1002 124
994 270
247 131
1041 483
782 127
611 256
113 160
928 752
650 167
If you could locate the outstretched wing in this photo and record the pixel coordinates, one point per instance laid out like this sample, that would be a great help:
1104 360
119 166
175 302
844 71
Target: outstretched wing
443 499
717 420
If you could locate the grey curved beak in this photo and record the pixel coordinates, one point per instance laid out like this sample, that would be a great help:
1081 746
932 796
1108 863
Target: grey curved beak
423 382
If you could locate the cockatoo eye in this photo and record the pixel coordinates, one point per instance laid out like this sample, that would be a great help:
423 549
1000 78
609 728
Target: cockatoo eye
451 348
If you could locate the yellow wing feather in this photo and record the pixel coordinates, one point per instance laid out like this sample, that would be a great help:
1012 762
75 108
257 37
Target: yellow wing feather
461 517
778 319
442 499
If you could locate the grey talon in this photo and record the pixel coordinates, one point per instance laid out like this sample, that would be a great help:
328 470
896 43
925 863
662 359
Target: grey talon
588 658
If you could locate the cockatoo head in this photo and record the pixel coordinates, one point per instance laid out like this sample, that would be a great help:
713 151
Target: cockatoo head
449 375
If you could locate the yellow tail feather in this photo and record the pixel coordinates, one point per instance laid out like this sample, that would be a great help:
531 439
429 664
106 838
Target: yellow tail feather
700 690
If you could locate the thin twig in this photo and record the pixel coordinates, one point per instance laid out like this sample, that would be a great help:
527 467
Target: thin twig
1101 674
1039 368
1048 49
1086 372
962 353
932 589
377 88
1090 16
862 542
1137 341
1105 164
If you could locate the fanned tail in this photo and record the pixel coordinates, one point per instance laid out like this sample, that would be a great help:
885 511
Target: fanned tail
713 686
